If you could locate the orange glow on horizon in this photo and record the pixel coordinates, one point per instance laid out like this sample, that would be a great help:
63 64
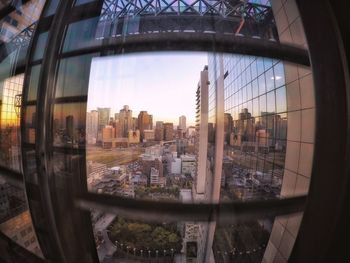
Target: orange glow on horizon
11 87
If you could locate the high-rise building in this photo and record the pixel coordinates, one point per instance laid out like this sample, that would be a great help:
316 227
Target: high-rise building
145 122
209 143
159 124
91 126
201 140
159 132
135 123
108 132
168 131
201 171
125 120
182 123
103 117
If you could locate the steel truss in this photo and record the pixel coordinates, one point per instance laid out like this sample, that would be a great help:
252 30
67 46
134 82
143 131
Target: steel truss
123 17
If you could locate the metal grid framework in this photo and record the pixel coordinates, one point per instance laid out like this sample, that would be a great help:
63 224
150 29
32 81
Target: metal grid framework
24 37
18 43
115 9
125 17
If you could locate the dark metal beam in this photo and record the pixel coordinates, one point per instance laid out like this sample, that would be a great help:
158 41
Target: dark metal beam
325 229
199 42
175 211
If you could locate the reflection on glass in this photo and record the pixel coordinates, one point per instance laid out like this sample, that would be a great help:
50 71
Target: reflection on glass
40 46
241 242
33 82
73 76
10 92
15 221
80 34
69 125
30 124
254 162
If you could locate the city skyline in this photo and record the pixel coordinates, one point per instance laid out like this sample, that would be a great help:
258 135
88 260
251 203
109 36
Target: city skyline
172 75
136 114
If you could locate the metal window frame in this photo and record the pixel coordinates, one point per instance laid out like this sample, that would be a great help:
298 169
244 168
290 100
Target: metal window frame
328 111
206 212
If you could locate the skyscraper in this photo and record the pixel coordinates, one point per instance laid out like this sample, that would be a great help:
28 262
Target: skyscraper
92 125
145 122
159 133
182 123
168 131
201 140
125 120
103 117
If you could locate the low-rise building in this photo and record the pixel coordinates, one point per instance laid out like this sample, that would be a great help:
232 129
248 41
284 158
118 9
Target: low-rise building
188 164
154 177
174 165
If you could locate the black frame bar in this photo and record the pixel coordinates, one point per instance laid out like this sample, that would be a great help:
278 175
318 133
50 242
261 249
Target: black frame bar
325 225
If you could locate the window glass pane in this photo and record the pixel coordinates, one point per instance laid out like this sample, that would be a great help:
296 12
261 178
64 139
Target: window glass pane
281 134
281 102
30 121
279 74
262 84
255 87
249 91
260 65
253 69
11 92
256 112
270 84
73 76
40 46
267 64
33 82
69 125
262 104
51 8
271 102
80 34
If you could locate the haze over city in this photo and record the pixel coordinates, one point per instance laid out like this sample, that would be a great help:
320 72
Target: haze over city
165 84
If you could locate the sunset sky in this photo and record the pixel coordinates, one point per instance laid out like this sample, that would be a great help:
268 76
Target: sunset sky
162 83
